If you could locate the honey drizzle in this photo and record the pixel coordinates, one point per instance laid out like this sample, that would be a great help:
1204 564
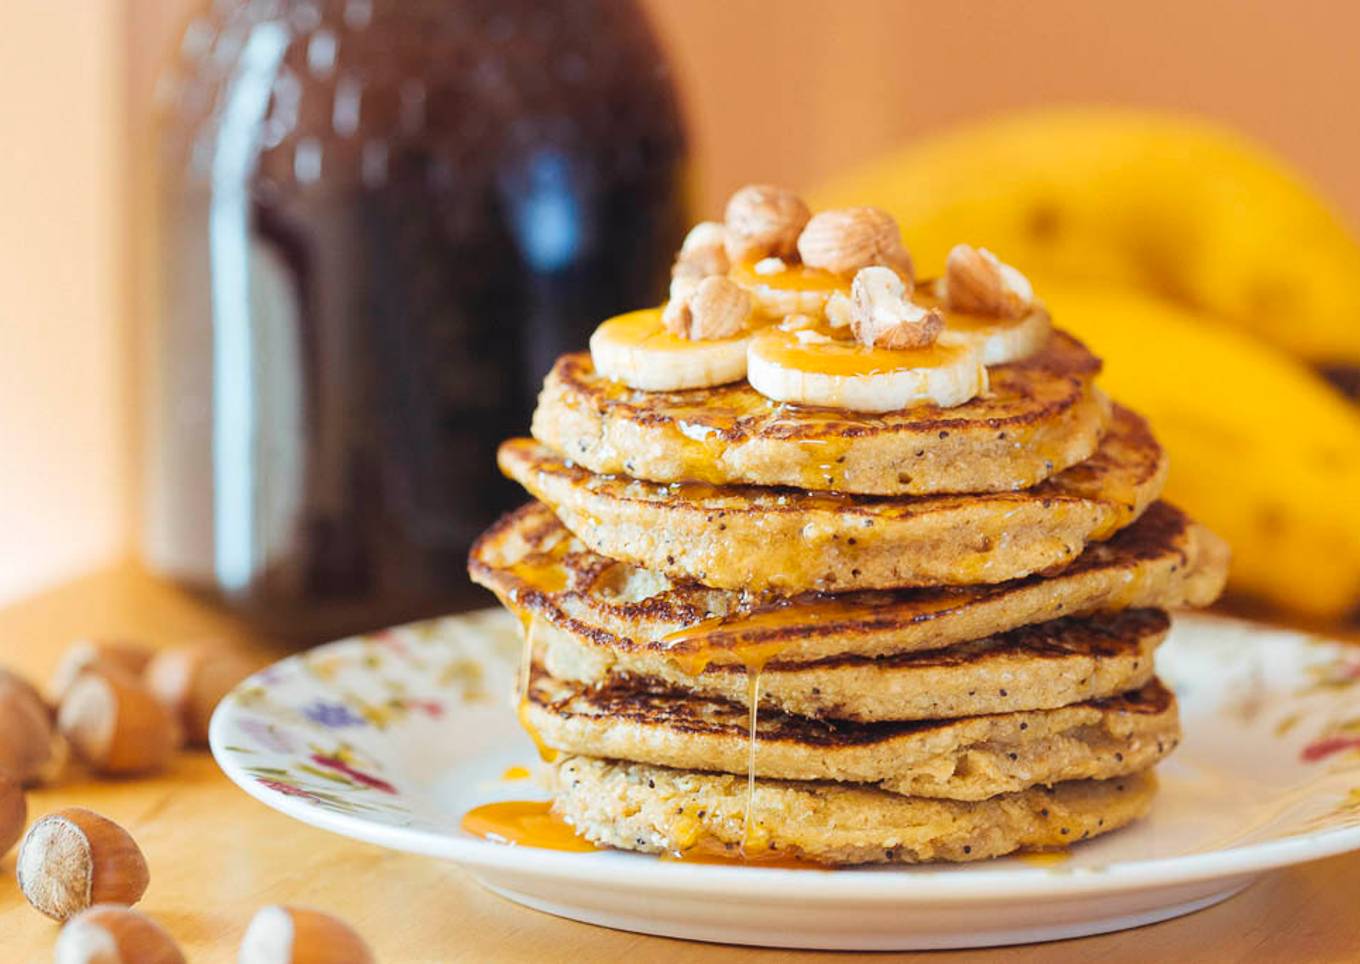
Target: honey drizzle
544 572
1044 858
525 823
741 626
849 358
546 753
753 716
754 657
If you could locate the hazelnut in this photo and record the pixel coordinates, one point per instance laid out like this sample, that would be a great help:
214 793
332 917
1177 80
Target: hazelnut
764 221
704 250
116 725
882 317
190 681
716 308
847 239
977 282
28 742
129 658
74 859
109 934
293 935
13 814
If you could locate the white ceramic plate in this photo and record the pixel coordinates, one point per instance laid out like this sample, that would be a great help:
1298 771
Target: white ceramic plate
391 737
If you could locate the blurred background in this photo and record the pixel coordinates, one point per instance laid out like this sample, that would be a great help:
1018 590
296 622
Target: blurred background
168 165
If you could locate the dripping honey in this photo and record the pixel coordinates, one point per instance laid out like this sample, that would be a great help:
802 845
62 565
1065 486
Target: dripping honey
525 823
1044 858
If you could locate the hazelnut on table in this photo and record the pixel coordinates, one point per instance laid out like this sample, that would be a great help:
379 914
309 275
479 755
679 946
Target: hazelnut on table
116 725
295 935
13 814
190 681
89 654
73 859
27 738
110 934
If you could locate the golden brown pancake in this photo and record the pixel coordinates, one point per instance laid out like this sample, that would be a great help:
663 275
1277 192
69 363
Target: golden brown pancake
656 810
965 759
538 568
1040 416
755 539
1035 667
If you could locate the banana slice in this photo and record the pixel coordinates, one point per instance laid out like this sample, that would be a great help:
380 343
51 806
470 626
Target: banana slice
1001 340
636 349
779 290
813 367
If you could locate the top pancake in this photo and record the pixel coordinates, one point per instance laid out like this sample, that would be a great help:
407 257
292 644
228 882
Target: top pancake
1040 415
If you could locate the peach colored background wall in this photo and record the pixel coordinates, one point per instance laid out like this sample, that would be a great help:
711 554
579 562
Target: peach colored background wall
64 465
788 91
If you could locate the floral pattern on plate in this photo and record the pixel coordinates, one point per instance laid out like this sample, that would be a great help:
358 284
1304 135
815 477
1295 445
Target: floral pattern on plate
391 737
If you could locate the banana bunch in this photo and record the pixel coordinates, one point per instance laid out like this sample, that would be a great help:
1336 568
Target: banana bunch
1209 278
1187 210
1262 450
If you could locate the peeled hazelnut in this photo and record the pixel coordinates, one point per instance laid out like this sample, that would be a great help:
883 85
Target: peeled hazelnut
27 738
109 934
292 935
74 859
704 250
116 725
190 681
847 239
93 654
977 282
718 309
675 317
882 317
764 221
13 814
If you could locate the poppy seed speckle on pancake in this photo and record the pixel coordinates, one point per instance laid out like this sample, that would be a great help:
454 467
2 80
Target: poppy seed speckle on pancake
657 810
789 540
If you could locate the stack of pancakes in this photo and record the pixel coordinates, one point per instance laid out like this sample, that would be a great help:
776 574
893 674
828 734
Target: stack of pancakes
763 630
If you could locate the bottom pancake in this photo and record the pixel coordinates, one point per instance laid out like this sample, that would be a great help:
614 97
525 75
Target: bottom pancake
963 759
654 809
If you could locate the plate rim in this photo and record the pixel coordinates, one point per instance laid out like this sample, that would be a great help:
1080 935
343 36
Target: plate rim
937 885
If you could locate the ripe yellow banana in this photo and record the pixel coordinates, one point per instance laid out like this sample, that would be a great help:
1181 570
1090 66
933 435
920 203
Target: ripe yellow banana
1261 450
1173 206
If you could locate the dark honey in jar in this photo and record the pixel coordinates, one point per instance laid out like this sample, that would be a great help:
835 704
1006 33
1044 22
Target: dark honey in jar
379 222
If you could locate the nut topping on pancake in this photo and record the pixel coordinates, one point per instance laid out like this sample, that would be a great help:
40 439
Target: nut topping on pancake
764 221
978 282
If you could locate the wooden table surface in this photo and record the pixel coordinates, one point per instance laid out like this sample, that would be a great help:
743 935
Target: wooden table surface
216 855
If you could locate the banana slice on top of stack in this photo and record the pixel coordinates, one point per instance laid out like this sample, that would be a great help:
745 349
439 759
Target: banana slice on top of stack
823 310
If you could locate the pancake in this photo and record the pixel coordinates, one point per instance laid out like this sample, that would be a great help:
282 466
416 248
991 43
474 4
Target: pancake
538 568
1040 416
1034 667
788 540
966 759
658 810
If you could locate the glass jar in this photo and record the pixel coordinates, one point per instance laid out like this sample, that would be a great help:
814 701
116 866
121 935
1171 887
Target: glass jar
380 221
